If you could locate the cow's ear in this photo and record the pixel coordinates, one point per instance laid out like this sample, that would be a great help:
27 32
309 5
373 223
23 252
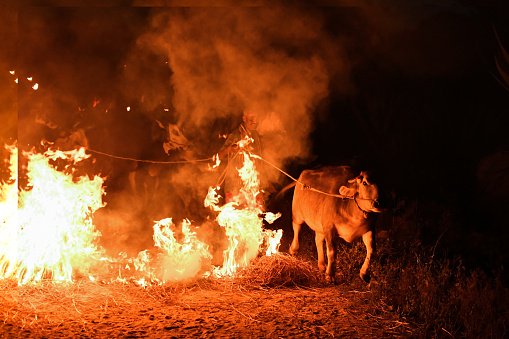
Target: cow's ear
347 191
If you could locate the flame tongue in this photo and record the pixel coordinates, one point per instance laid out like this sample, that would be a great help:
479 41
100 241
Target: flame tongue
179 260
242 222
8 213
54 230
47 231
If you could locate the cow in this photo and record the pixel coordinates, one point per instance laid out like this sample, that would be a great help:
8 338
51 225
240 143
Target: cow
334 203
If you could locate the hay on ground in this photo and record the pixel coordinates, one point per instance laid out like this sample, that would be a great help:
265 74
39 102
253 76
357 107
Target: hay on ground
279 270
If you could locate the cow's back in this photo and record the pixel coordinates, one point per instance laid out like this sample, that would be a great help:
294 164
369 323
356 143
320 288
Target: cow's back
315 208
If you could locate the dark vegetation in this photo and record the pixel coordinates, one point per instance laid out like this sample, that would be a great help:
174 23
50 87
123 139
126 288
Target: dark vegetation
431 270
445 280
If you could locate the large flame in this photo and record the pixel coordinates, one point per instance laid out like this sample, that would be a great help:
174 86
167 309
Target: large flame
8 213
47 230
53 236
242 222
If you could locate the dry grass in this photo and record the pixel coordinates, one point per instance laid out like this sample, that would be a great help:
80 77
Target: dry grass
30 303
51 302
279 270
262 296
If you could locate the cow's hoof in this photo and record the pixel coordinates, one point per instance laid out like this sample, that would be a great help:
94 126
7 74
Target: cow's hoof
365 277
330 280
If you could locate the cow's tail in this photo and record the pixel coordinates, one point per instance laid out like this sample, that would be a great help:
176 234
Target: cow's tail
283 191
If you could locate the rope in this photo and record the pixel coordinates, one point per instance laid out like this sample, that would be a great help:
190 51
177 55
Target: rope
150 161
304 185
223 175
312 188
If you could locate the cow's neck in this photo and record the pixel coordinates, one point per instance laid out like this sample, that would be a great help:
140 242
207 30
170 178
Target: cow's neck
362 205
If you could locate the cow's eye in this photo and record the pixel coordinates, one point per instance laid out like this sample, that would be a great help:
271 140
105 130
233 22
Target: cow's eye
176 132
364 183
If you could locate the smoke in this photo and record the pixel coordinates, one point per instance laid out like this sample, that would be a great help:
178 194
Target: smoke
196 67
8 92
200 68
224 60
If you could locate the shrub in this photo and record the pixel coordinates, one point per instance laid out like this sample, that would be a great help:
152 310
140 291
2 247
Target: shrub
422 281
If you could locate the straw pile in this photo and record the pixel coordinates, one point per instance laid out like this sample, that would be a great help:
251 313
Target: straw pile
279 270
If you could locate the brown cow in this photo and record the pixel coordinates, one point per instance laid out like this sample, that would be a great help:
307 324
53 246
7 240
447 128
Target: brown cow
333 202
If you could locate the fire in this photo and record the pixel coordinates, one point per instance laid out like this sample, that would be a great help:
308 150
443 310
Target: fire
8 213
179 260
47 230
241 220
176 260
217 162
273 240
53 231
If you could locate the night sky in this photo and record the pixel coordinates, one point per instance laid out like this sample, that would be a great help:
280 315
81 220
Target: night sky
408 91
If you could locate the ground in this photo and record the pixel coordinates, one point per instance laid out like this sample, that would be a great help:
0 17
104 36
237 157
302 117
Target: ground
201 309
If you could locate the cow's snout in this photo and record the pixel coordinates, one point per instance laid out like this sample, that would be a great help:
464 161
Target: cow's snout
375 206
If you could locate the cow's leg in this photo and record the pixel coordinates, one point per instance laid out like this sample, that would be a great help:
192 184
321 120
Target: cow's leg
330 273
319 239
367 238
294 247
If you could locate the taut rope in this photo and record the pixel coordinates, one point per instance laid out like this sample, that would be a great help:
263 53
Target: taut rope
149 161
222 177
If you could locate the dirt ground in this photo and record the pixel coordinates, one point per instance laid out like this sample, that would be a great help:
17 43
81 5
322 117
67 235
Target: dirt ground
201 309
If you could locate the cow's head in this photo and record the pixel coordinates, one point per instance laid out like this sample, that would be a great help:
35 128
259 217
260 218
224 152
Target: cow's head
173 139
364 190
